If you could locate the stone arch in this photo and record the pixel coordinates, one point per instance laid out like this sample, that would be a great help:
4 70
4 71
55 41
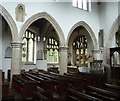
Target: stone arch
87 27
113 30
48 17
10 22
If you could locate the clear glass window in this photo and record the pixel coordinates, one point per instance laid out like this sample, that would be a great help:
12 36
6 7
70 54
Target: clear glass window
28 47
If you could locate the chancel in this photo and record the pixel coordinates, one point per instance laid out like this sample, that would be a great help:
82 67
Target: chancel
60 50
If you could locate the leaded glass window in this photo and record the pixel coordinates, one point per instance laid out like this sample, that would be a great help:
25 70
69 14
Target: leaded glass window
28 47
52 50
80 49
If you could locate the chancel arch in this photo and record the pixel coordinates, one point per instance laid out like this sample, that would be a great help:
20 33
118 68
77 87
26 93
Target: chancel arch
81 42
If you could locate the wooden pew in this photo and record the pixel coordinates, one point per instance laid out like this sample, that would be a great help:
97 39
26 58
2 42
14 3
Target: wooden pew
8 98
88 79
42 81
70 81
23 86
80 82
56 81
3 76
39 97
113 87
5 89
72 98
110 87
53 69
65 82
79 96
9 75
109 94
102 97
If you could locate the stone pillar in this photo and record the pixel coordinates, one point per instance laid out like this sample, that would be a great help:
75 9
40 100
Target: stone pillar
0 84
96 54
106 63
63 59
16 58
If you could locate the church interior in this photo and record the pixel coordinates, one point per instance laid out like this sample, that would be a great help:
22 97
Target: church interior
60 50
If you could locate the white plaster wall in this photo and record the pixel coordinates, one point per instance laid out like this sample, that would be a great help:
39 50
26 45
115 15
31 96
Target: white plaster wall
119 8
6 40
62 12
27 67
6 65
41 64
108 14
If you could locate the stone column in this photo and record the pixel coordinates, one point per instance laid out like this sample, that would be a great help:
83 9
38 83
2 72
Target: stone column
96 54
63 59
16 58
106 63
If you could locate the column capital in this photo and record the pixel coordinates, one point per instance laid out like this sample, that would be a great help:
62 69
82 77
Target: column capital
96 50
16 44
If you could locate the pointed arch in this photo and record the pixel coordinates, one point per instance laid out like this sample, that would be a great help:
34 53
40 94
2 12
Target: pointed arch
50 19
87 27
10 22
113 30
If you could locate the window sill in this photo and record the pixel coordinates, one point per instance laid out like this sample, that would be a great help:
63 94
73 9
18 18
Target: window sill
29 64
52 63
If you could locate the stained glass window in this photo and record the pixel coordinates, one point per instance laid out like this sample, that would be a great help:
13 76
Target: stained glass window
80 47
52 50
